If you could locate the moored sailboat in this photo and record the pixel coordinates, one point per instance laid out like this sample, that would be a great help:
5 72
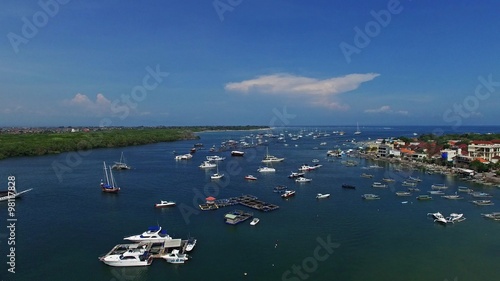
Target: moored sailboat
109 185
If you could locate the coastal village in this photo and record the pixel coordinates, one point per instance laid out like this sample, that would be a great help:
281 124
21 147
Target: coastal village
476 160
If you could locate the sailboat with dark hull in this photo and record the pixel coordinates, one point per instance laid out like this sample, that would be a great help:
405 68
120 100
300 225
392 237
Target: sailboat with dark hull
109 184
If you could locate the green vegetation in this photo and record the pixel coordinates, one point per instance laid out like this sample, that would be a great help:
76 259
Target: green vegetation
59 140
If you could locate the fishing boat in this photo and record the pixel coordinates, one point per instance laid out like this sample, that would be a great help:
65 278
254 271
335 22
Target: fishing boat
480 195
436 192
302 180
250 178
409 183
464 189
494 216
379 185
483 202
369 196
254 221
175 257
322 196
164 204
348 186
109 185
153 234
388 180
121 165
237 153
288 193
403 193
128 255
452 197
439 186
424 197
270 158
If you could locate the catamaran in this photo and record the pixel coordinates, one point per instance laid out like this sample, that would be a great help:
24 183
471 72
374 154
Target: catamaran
121 165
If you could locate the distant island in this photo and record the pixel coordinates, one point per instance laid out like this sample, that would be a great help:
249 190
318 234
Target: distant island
16 142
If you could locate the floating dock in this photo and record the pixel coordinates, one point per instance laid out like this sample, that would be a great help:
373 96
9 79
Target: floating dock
245 200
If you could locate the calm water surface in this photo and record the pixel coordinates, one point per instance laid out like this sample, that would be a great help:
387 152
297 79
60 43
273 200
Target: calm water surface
66 222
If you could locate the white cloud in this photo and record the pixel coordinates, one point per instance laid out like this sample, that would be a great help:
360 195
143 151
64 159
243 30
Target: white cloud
387 110
319 91
83 102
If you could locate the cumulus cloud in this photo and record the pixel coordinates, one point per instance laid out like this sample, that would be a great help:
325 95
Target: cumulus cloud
387 110
83 102
319 91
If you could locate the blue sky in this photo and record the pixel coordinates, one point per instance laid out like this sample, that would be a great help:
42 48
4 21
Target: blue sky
239 62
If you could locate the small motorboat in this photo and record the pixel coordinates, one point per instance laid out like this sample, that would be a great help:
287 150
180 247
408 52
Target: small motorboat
348 186
302 180
403 193
163 204
175 257
237 153
483 202
254 221
424 197
494 216
379 185
250 178
266 170
454 217
296 175
191 242
452 197
288 193
322 196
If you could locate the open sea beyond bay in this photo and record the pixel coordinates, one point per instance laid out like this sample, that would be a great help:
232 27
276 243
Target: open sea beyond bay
65 223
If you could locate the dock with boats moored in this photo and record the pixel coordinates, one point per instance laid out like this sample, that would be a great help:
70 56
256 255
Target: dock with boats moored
247 200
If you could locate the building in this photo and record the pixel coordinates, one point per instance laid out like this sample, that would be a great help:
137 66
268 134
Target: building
483 149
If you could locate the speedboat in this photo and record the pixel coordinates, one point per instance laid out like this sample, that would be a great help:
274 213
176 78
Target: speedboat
370 196
250 177
153 234
175 257
237 153
321 196
302 180
191 242
296 175
288 193
254 221
217 176
207 165
134 255
266 170
163 204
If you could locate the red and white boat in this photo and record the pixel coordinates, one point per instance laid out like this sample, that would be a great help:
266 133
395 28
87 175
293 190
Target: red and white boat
250 178
288 193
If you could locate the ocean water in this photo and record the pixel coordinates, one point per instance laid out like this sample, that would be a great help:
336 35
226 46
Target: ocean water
66 222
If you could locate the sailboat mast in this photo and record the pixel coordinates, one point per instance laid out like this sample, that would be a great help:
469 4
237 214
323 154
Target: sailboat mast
106 173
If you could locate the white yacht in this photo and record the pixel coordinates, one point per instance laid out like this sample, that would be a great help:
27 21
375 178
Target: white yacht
266 170
322 196
128 255
191 242
207 165
153 234
183 157
438 217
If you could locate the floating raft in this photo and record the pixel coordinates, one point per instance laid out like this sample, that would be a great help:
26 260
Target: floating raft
245 200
